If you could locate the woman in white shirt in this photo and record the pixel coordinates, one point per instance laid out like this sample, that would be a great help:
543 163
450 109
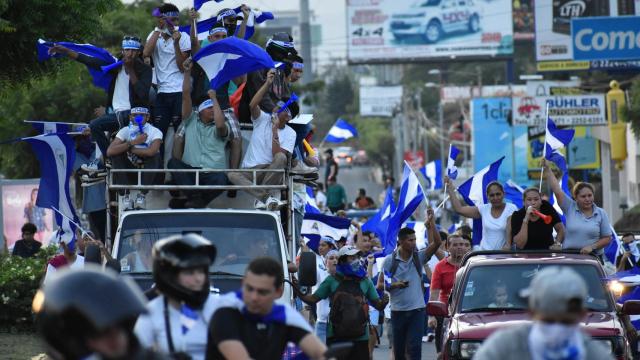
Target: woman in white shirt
177 321
494 215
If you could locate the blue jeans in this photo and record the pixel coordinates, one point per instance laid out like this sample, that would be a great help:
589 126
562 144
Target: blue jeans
407 333
110 122
185 178
321 331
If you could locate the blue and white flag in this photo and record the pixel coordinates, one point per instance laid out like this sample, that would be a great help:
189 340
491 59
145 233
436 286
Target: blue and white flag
341 131
616 247
197 4
554 140
513 192
310 206
101 79
53 127
202 27
279 314
229 58
452 169
564 185
411 195
474 194
315 226
433 172
255 17
56 154
379 222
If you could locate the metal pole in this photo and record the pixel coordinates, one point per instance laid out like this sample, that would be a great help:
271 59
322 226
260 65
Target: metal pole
305 37
441 125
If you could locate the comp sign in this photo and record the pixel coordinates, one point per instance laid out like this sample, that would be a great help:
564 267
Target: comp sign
564 110
606 38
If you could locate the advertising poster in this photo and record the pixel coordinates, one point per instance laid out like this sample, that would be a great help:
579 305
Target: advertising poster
492 131
606 38
584 150
401 30
523 20
379 100
554 43
572 110
535 148
18 207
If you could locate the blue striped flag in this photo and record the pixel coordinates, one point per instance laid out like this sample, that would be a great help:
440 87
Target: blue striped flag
341 131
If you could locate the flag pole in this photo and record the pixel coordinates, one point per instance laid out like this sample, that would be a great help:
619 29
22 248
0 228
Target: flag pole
84 232
544 149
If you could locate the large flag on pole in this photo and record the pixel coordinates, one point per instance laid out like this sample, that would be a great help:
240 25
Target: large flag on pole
197 4
255 17
315 226
101 79
474 193
341 131
554 140
229 58
379 222
56 154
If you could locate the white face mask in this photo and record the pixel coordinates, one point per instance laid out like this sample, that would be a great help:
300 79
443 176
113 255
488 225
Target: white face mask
555 342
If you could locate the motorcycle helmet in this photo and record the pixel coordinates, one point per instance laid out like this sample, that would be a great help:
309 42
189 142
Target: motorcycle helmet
78 304
181 252
280 46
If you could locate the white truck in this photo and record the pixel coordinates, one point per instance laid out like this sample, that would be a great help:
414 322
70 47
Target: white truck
433 19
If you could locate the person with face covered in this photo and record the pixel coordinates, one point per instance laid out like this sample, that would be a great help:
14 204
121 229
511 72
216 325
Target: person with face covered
350 281
557 297
272 143
494 215
528 230
177 321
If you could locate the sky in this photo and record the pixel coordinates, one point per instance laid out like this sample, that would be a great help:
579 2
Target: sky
330 13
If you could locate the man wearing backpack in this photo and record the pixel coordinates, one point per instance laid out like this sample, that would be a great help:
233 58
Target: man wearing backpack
405 266
348 291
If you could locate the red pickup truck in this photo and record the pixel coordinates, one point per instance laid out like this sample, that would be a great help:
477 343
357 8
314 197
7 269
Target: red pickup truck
474 312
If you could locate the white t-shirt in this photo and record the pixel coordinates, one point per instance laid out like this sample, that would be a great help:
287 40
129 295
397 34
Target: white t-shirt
151 331
494 230
259 151
168 75
78 264
120 100
130 132
322 306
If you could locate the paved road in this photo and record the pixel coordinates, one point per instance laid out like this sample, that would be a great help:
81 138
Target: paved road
358 177
384 353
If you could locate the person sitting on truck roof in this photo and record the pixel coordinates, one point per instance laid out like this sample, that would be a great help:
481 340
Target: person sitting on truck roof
271 145
178 319
136 146
205 134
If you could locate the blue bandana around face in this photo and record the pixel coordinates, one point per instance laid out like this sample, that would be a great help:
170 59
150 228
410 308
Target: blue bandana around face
354 269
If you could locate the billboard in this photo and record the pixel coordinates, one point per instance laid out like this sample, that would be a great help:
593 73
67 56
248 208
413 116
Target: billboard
452 94
492 131
582 153
607 38
523 20
402 30
572 110
18 208
379 100
554 48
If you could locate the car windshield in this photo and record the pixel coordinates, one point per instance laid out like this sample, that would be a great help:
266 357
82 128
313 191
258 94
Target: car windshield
238 238
498 288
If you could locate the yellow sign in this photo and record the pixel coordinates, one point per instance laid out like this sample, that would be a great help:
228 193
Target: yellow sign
562 65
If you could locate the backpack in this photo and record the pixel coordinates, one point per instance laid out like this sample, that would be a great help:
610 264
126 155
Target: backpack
416 262
349 310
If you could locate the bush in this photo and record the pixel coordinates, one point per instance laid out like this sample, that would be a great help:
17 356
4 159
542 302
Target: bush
19 280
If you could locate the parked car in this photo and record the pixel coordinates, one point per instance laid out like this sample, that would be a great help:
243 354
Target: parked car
344 156
433 19
360 158
471 314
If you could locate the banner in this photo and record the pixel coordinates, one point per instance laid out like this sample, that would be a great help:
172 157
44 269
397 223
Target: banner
571 110
492 131
523 20
584 150
18 208
379 100
606 38
452 94
400 30
554 44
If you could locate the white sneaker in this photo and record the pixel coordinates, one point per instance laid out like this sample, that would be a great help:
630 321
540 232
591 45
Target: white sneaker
274 204
126 202
91 167
424 339
259 205
302 168
141 201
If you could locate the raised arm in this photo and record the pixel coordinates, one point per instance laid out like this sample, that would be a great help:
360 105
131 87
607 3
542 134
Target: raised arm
246 11
553 183
187 105
254 105
193 33
467 211
180 56
432 234
218 116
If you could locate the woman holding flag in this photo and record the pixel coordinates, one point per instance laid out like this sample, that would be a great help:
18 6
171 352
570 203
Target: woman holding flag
587 225
494 215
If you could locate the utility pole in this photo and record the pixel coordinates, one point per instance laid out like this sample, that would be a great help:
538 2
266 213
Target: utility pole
305 38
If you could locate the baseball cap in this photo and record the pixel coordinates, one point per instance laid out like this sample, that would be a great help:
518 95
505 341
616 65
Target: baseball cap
556 290
348 251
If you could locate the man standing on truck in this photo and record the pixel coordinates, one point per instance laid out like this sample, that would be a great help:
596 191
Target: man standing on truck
271 146
205 137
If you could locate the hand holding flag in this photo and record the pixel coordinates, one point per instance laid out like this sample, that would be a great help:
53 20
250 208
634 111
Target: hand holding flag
554 140
452 169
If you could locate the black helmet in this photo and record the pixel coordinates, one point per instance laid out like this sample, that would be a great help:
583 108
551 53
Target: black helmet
78 304
280 46
179 252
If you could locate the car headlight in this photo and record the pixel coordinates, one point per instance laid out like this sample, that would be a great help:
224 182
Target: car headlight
468 349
